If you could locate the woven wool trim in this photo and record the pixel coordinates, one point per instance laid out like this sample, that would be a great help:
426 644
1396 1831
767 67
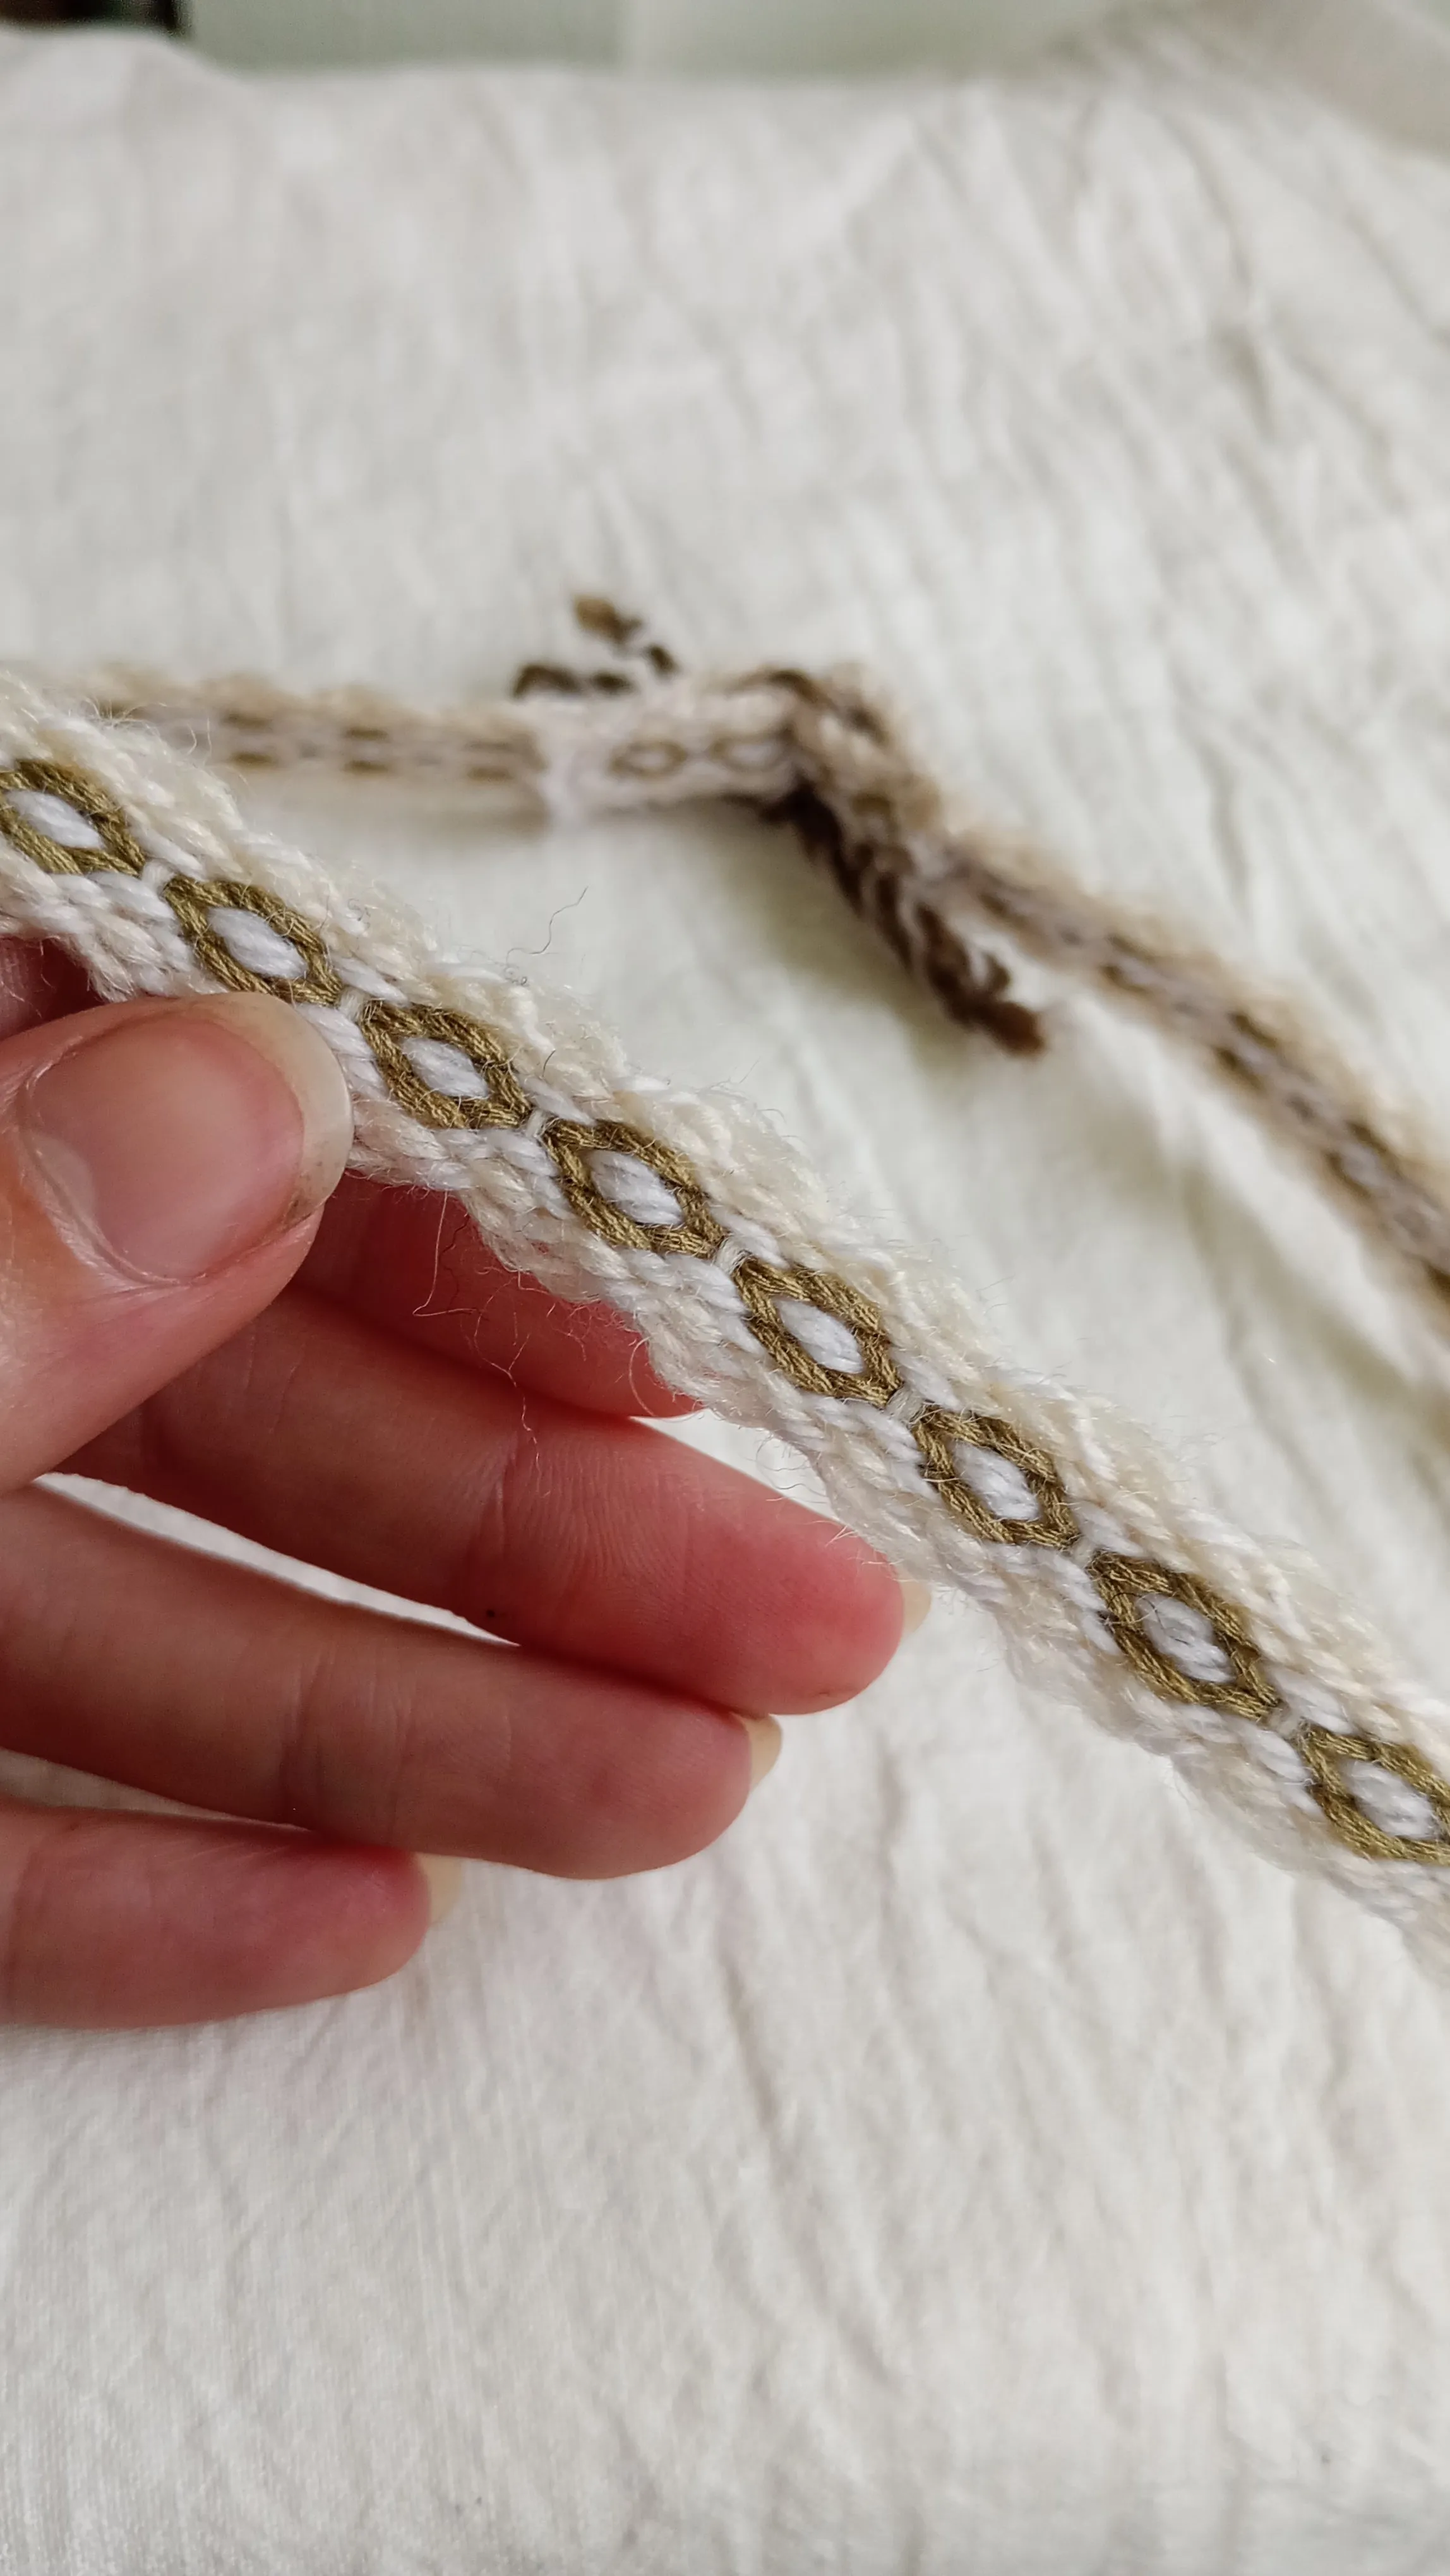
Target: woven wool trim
821 754
693 1217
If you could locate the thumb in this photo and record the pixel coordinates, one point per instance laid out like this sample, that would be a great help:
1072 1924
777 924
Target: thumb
162 1166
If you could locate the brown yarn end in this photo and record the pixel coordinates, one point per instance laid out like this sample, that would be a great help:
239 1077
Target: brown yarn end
556 680
972 985
625 636
623 633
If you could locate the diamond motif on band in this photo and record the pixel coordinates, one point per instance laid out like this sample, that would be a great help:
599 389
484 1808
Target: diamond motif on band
194 905
761 1286
938 1434
43 782
1324 1751
573 1146
502 1101
1124 1583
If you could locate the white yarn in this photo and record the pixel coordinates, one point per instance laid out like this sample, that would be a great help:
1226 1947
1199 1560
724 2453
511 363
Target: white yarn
51 814
252 942
1392 1803
1002 1486
1327 1670
824 1336
630 1184
1187 1638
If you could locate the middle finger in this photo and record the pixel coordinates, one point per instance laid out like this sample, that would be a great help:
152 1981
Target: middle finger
593 1538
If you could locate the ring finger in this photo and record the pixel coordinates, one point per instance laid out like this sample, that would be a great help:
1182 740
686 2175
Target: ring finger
216 1686
600 1539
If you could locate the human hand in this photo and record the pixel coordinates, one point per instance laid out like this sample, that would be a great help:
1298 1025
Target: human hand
353 1380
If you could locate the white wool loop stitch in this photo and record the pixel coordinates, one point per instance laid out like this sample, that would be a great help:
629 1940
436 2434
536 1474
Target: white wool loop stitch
695 1219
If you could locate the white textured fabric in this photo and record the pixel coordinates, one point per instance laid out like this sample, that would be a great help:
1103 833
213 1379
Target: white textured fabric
978 2161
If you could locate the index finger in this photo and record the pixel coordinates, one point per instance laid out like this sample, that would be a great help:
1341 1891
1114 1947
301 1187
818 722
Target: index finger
413 1261
38 981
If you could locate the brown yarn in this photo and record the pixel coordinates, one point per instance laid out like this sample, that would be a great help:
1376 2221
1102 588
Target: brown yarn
875 874
1323 1752
572 1147
627 635
193 906
1123 1582
760 1284
876 878
938 1433
387 1025
48 778
556 680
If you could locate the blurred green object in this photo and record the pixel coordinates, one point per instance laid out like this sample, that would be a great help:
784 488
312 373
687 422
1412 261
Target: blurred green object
748 37
92 13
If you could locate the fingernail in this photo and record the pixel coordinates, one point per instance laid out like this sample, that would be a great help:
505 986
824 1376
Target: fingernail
169 1144
915 1603
764 1737
444 1875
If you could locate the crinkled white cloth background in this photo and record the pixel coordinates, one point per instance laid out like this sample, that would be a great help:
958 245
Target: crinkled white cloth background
979 2161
